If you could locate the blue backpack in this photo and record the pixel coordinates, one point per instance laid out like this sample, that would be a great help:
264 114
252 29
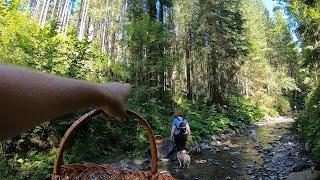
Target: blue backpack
182 127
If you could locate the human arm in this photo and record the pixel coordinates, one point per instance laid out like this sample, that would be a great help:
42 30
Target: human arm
29 98
173 128
189 132
188 129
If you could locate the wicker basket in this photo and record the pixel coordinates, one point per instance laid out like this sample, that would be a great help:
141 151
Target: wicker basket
96 171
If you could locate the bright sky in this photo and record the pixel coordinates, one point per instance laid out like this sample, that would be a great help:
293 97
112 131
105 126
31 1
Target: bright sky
270 4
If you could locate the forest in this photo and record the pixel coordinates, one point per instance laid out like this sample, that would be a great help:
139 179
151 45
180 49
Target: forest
224 63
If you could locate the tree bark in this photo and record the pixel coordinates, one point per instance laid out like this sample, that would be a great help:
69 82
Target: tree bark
35 11
41 12
188 69
152 9
82 19
68 16
44 15
55 3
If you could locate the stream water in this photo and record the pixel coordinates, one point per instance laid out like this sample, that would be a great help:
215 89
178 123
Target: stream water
265 150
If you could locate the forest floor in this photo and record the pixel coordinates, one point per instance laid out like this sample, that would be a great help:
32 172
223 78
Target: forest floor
264 150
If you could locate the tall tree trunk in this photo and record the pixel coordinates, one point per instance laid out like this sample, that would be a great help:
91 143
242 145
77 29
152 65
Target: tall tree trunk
79 20
90 28
44 15
103 34
111 36
152 9
82 19
35 11
112 45
193 90
121 46
62 15
41 12
246 82
59 10
161 53
188 69
55 4
68 16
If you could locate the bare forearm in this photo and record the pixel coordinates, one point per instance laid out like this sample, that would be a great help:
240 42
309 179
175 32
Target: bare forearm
28 98
172 131
188 129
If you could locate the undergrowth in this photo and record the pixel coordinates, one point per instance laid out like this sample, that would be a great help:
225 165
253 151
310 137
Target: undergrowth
308 123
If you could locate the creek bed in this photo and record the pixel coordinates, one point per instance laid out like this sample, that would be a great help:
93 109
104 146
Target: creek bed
265 150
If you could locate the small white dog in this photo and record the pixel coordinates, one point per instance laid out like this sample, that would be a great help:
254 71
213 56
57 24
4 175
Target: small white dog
183 158
253 135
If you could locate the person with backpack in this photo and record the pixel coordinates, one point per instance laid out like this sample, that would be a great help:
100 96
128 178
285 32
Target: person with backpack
180 131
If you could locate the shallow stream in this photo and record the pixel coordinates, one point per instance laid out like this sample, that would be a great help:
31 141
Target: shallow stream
266 150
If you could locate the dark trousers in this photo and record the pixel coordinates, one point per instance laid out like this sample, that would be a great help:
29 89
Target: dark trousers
180 141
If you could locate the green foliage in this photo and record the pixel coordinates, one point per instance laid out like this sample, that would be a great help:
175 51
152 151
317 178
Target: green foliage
216 33
308 124
243 111
283 106
316 148
146 68
34 165
270 71
307 16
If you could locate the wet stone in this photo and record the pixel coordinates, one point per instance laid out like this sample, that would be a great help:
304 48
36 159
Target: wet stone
269 169
205 146
216 143
215 137
223 136
250 171
235 153
226 148
300 167
205 141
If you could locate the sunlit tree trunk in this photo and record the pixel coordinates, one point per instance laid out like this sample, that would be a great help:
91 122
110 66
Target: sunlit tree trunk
103 36
82 19
90 29
44 14
188 68
68 17
41 12
55 4
35 11
62 15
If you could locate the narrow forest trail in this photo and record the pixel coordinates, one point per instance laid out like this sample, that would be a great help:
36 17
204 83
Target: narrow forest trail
265 150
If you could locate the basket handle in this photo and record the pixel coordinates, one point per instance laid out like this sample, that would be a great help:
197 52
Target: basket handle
85 118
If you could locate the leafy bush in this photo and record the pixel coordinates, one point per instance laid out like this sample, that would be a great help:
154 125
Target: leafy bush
283 106
265 102
243 111
33 165
308 123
